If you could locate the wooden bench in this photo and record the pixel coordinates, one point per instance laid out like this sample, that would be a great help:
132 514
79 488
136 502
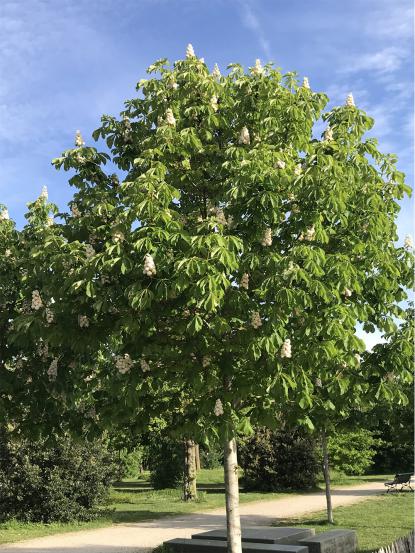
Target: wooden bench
403 480
334 541
261 534
218 546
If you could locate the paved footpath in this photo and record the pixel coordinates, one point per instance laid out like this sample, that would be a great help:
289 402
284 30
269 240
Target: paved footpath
142 537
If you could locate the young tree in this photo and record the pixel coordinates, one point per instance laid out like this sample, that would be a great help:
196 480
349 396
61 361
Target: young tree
344 398
233 253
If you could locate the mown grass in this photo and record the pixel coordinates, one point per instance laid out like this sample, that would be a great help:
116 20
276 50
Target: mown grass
378 521
133 500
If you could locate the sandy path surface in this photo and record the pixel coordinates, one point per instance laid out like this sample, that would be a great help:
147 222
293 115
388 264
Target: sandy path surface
142 537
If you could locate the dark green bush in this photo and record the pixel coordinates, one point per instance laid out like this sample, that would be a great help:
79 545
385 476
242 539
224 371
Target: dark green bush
353 452
65 482
279 460
166 462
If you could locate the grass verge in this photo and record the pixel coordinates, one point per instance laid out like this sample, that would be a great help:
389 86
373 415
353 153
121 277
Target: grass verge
378 521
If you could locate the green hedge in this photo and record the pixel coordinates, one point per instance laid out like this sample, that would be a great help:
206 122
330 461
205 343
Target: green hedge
279 460
66 482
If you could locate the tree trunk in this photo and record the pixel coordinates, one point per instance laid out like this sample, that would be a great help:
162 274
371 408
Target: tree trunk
326 472
233 521
189 473
197 454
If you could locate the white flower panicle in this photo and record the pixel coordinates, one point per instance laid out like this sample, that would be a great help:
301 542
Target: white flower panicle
205 361
219 214
244 137
173 85
245 281
36 300
170 119
350 100
50 221
123 363
289 270
318 382
118 236
190 53
89 251
298 169
286 348
50 317
408 242
310 234
256 320
91 413
105 279
53 369
75 211
127 129
202 60
280 164
218 410
328 134
79 141
44 193
4 215
214 103
306 83
43 350
8 252
267 238
145 367
257 69
216 74
80 158
347 292
149 265
83 321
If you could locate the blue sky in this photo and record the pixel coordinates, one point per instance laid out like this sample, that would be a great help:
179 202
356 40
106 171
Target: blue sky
64 63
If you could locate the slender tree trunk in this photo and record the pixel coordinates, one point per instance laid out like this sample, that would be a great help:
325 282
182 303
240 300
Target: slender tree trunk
326 472
189 473
233 521
197 454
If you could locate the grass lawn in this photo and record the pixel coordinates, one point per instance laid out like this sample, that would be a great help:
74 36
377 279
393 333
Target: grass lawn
135 500
378 521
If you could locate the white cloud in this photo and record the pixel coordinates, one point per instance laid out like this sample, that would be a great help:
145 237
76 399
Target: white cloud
392 20
251 21
384 61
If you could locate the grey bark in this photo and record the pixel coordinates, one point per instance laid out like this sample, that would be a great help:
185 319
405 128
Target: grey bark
189 472
326 473
233 521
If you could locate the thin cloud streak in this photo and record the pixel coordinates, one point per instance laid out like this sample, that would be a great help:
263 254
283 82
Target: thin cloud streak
251 21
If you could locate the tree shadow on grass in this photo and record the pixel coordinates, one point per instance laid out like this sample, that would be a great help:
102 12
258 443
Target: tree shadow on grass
126 517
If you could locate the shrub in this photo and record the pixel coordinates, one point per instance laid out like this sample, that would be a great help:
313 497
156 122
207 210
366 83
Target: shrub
279 460
166 462
65 482
132 462
353 452
211 458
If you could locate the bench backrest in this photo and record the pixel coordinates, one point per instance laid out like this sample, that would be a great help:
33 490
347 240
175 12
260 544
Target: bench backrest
402 478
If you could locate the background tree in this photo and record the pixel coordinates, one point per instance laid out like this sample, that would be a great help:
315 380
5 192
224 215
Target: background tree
233 253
